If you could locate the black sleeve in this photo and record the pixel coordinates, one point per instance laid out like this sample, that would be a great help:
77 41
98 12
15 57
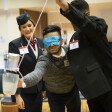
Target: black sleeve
13 48
90 25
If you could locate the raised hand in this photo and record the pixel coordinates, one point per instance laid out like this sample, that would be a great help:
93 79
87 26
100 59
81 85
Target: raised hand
63 4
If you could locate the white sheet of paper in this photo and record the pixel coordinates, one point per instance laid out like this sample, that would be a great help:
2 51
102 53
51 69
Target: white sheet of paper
74 45
23 50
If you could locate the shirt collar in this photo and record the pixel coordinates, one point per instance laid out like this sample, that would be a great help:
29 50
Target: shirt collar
33 39
62 54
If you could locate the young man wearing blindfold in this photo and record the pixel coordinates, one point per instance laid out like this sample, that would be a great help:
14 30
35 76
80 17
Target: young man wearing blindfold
56 72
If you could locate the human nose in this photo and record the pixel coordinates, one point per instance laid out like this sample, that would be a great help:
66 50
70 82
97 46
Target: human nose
51 45
27 28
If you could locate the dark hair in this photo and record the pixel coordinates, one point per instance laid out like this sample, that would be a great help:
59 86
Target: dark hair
81 5
26 22
52 28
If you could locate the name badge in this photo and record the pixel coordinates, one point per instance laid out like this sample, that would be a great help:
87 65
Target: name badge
23 50
74 45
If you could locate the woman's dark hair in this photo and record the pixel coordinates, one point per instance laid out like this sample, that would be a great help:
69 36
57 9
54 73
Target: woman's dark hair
81 5
52 28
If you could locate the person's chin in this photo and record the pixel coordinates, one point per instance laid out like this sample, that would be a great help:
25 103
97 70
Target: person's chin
29 36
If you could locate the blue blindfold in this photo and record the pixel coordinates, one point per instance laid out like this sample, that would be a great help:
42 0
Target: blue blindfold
51 40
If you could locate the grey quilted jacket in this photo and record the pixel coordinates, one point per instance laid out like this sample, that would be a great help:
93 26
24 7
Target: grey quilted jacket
58 78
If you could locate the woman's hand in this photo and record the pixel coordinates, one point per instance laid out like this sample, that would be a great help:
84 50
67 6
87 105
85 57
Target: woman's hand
19 101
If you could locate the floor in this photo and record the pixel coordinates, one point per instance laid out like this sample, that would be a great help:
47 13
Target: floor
84 107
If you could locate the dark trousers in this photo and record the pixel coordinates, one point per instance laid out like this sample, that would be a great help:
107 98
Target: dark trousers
102 103
71 100
33 102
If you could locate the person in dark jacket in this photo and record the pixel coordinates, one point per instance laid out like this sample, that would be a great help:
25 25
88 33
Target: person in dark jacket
28 98
90 55
59 80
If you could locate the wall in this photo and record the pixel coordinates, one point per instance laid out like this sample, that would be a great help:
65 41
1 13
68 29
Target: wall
103 10
8 31
57 19
107 15
9 4
9 28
